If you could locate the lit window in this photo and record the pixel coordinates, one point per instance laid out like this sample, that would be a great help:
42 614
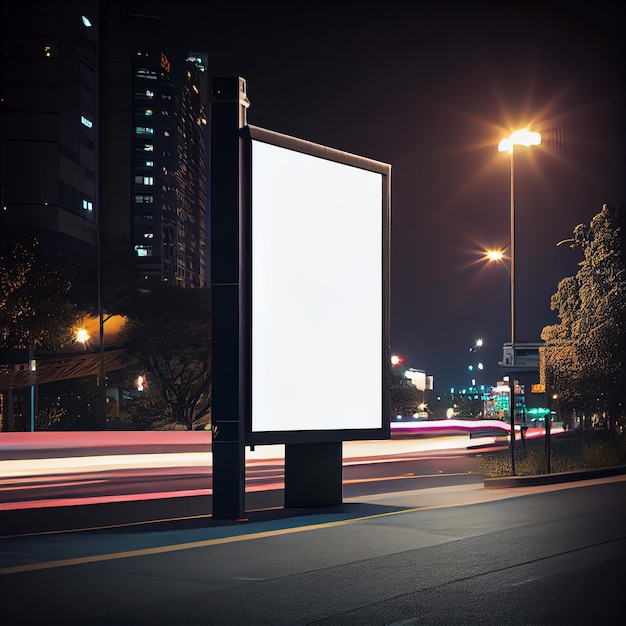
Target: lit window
149 94
144 198
86 122
149 163
148 112
148 147
145 73
86 21
144 250
144 130
148 235
144 180
47 50
87 205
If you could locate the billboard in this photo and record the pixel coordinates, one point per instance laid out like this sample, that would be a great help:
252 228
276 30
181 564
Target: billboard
315 245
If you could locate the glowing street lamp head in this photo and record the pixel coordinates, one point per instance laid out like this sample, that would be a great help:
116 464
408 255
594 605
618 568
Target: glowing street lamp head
494 255
523 137
82 336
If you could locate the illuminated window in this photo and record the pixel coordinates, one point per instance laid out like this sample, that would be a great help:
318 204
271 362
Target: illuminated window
149 163
87 205
144 130
148 147
47 50
141 72
86 121
86 21
148 112
148 235
144 180
144 250
144 198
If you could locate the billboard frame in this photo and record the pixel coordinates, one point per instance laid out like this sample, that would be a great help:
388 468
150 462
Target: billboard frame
248 134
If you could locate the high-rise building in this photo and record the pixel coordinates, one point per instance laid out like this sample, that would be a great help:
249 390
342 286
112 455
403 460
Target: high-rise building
48 127
153 157
103 141
191 176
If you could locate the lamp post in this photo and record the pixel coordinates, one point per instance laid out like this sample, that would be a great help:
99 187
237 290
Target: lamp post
526 138
522 137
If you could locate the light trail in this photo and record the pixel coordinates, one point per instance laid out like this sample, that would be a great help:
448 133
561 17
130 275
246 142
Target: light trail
118 458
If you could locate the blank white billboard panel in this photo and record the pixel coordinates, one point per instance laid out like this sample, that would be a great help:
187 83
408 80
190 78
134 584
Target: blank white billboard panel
318 305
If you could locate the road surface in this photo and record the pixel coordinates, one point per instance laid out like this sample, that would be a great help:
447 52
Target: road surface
456 555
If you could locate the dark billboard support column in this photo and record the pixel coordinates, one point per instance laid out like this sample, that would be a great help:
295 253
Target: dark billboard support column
228 115
313 474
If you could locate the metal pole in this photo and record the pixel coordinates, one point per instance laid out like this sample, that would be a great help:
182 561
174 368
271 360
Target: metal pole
512 412
512 380
512 261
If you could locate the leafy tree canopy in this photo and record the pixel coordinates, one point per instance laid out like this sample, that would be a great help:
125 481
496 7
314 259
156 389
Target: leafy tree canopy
35 306
404 397
584 355
168 340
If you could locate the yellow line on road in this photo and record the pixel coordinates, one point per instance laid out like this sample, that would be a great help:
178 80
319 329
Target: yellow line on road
32 567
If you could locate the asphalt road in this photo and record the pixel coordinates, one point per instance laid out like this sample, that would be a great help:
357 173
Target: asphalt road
450 555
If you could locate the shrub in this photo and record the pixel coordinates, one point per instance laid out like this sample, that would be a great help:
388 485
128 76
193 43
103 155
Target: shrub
568 452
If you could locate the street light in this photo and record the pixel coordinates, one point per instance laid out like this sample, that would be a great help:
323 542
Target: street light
523 137
494 255
82 336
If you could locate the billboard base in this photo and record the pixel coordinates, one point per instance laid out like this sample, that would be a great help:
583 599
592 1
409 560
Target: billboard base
313 474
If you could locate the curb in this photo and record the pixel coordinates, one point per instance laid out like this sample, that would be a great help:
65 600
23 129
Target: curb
549 479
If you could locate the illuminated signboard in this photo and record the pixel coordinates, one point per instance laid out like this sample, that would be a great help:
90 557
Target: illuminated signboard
316 232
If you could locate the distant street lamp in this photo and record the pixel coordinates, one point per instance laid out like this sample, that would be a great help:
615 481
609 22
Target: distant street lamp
494 255
523 137
82 336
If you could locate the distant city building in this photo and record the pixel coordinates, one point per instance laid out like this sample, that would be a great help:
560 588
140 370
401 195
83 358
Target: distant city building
154 155
419 379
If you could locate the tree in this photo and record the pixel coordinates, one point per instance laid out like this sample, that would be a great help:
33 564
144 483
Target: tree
73 404
404 396
168 340
584 356
35 306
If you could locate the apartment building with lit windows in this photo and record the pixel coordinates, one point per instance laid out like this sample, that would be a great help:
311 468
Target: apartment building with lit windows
153 177
103 141
48 126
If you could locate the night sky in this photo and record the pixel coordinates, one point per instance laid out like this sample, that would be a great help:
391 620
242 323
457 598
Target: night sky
431 88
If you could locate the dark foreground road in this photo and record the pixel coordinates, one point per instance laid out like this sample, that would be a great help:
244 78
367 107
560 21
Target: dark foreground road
452 556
